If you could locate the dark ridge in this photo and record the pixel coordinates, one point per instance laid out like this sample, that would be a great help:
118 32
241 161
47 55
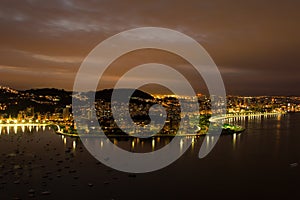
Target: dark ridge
105 94
54 100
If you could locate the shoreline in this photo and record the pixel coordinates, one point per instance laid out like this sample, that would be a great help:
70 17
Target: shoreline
153 136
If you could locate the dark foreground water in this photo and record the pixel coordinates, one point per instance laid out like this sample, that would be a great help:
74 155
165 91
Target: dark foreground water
261 163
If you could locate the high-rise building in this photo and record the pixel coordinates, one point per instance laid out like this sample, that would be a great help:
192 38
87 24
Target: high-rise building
30 111
66 113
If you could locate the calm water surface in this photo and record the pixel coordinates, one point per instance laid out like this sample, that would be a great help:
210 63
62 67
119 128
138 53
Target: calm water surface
259 163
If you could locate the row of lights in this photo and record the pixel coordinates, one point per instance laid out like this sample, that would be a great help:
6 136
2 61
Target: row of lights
23 121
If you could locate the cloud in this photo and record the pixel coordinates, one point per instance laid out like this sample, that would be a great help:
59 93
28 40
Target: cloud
58 59
71 25
254 40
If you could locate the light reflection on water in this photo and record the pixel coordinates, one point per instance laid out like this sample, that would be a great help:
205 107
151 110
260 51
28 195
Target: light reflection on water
234 140
238 161
144 145
154 143
136 144
74 144
65 141
15 129
193 143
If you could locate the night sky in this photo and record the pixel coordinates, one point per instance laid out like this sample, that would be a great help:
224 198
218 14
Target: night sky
255 44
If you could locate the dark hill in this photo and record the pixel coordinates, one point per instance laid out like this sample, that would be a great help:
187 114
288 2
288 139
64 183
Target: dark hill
105 94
